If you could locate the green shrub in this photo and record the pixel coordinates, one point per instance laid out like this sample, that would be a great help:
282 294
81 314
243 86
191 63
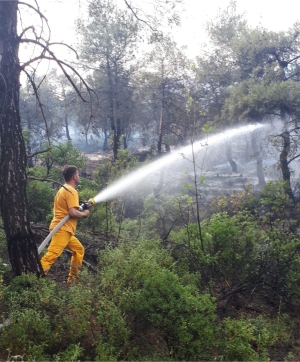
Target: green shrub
135 308
5 268
163 214
63 154
235 243
232 248
45 320
282 263
114 338
243 341
40 197
251 339
141 284
71 353
30 329
274 197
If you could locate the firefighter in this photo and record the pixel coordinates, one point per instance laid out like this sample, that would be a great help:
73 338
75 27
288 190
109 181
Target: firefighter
66 202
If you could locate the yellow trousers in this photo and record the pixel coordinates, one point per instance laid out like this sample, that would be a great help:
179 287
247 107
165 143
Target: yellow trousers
60 241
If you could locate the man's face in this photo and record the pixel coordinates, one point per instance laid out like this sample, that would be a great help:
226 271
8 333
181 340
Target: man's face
76 178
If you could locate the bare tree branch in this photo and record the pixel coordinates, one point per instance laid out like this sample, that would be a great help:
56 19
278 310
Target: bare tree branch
40 104
137 17
293 158
38 153
37 88
37 10
26 29
66 45
29 177
60 63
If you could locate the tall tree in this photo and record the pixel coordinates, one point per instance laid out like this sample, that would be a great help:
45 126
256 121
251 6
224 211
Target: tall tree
13 160
109 49
164 79
256 73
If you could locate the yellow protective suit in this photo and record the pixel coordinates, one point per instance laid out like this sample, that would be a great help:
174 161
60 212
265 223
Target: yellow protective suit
65 236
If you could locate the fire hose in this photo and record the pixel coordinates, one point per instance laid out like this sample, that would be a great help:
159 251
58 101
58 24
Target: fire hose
82 207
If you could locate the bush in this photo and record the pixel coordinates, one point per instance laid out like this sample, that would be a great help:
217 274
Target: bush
40 197
243 341
63 154
46 320
231 248
140 283
251 339
135 308
282 264
29 306
163 214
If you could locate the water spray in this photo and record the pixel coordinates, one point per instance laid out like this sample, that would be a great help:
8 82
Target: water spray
116 189
82 207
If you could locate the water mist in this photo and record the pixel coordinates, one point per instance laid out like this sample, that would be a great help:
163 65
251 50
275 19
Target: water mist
116 189
134 178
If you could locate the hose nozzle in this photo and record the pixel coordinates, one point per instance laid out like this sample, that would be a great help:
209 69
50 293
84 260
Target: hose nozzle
85 205
92 201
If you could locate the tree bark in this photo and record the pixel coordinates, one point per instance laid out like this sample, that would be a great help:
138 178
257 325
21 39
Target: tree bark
230 159
257 156
67 127
105 143
161 120
112 109
284 164
13 160
29 150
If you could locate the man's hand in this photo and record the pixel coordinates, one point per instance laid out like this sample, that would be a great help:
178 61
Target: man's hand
85 212
85 205
75 213
89 205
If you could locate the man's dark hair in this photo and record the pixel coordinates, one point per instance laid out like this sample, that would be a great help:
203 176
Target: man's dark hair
69 172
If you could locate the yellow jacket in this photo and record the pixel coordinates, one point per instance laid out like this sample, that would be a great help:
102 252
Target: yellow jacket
63 202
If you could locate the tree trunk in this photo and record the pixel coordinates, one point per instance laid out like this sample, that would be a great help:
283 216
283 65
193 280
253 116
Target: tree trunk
113 115
105 143
260 173
159 142
230 159
67 127
125 145
20 241
284 164
29 151
257 156
119 134
115 142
